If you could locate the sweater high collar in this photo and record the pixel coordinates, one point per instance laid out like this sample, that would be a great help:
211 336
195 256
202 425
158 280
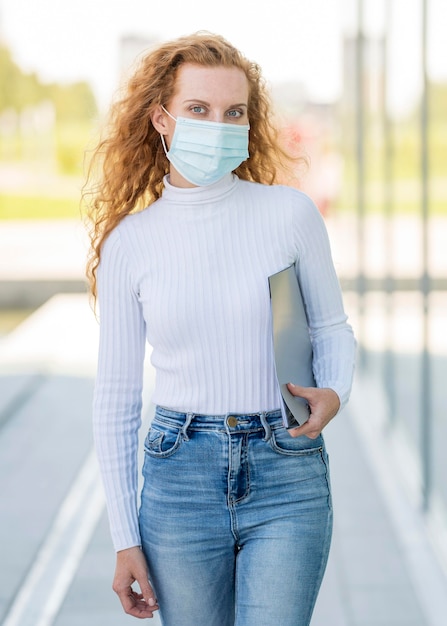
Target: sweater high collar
199 195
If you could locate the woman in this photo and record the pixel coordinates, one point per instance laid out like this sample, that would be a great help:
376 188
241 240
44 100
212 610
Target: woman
235 519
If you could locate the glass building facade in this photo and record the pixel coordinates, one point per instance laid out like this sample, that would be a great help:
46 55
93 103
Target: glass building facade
392 224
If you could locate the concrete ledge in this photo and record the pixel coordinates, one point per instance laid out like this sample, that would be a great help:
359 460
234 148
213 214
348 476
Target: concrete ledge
60 337
23 294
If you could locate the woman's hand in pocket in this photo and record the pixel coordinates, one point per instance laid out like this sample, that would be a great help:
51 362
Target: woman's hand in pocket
323 404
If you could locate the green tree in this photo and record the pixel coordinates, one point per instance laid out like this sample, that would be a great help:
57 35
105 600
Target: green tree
73 102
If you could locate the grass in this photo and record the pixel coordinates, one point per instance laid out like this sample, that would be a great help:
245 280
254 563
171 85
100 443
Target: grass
16 207
374 203
21 207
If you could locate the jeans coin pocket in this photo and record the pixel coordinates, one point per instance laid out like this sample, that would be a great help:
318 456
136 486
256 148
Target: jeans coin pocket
162 441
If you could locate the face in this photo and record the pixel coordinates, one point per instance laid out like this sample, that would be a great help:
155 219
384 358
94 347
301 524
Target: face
215 94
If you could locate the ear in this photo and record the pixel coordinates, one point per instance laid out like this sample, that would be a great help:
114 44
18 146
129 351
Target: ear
159 120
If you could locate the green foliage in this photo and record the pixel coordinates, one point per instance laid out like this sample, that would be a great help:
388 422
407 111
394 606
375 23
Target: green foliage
72 138
438 101
73 102
42 122
20 90
404 170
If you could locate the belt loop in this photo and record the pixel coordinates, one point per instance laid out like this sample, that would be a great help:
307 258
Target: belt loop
266 425
185 426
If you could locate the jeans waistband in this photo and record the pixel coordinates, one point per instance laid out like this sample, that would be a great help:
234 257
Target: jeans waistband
232 423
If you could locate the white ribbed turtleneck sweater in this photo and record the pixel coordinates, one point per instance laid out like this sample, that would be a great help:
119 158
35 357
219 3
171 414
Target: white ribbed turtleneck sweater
190 275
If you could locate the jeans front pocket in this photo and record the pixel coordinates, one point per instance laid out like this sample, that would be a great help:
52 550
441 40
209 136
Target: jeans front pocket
162 440
282 442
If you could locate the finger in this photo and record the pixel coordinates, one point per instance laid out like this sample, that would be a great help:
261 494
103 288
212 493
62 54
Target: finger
311 428
301 431
302 392
134 605
146 590
127 600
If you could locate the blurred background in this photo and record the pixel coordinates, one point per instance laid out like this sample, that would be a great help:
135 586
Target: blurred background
361 85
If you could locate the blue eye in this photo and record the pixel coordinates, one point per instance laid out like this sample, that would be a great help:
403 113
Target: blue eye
234 113
198 109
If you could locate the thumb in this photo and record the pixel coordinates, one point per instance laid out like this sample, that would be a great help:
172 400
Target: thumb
297 390
146 589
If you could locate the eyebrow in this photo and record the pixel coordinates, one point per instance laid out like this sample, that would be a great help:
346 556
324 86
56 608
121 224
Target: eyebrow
199 101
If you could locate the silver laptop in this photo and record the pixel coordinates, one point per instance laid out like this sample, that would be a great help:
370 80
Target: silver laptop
291 342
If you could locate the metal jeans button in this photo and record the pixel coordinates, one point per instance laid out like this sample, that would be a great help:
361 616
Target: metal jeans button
232 421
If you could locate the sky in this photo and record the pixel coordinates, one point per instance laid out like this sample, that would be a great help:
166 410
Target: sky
292 40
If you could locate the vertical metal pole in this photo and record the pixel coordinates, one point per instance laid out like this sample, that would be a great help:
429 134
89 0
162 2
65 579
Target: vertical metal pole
426 416
360 153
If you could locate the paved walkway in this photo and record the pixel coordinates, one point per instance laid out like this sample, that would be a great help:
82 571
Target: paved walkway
56 557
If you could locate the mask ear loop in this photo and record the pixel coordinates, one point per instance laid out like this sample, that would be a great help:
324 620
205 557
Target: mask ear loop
164 144
162 136
167 112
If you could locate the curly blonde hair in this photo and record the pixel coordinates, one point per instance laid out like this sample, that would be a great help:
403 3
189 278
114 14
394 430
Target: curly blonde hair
127 167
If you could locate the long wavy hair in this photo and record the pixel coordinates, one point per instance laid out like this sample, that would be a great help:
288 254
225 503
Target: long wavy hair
127 167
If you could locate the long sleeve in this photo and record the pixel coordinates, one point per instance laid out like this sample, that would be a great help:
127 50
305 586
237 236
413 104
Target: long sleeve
118 390
332 337
189 274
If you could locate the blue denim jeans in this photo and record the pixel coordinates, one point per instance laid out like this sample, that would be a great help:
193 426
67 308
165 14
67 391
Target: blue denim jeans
235 519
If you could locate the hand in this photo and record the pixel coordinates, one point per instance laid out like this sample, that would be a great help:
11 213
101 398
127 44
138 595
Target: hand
130 567
323 403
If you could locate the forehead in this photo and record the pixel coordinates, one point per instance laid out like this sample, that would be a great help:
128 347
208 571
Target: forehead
205 82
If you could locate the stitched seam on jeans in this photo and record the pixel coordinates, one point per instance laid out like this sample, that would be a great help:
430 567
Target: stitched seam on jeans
328 483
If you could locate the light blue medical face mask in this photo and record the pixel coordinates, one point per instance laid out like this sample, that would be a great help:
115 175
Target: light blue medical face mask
203 152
